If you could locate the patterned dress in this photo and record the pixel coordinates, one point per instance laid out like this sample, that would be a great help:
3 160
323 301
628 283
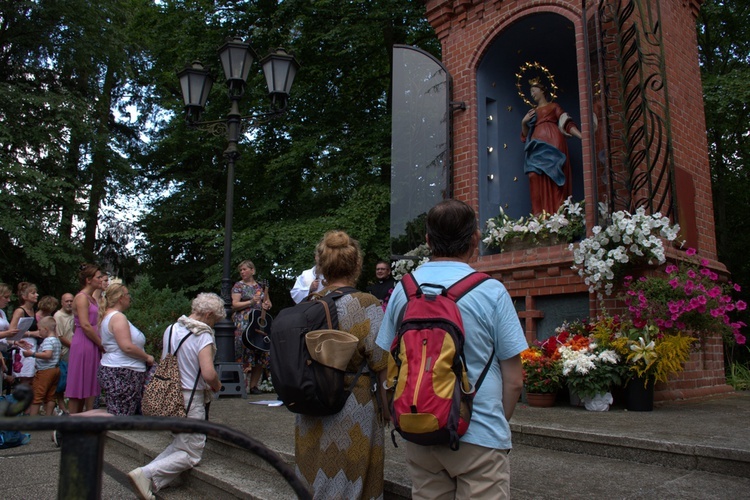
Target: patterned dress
248 357
341 456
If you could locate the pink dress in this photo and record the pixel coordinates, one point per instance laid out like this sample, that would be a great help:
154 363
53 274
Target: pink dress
83 360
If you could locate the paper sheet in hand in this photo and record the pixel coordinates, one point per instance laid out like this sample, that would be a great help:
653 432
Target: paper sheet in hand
23 327
267 403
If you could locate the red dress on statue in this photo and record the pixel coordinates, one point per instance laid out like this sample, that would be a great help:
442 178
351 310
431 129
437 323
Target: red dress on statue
545 193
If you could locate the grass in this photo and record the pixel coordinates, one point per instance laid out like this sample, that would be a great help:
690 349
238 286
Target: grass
739 376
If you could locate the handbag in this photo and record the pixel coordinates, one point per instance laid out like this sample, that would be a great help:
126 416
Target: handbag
333 348
162 397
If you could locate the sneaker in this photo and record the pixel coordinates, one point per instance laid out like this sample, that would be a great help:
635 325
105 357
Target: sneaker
255 390
141 484
56 438
58 412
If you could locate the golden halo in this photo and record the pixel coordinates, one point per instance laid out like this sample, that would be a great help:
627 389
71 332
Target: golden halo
542 71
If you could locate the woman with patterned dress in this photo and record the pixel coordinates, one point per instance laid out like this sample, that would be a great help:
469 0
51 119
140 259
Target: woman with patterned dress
341 456
123 367
546 160
248 296
86 347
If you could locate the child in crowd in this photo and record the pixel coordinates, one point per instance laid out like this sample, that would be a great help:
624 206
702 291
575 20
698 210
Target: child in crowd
47 372
46 306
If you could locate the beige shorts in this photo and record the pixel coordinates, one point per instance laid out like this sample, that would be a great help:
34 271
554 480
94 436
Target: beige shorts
472 471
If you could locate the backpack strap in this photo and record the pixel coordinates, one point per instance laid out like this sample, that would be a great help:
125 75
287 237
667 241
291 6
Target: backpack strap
411 287
197 378
334 295
466 284
484 372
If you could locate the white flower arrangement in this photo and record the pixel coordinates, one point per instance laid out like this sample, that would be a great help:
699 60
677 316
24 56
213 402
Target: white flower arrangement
566 224
420 255
590 370
627 238
585 360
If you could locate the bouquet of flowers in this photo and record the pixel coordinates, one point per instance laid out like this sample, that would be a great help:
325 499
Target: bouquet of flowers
566 224
688 296
650 354
627 238
542 370
590 368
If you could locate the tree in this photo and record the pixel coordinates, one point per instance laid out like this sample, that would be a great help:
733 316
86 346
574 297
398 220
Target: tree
724 44
325 165
70 69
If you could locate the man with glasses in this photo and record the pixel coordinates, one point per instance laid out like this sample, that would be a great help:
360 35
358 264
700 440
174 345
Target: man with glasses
384 282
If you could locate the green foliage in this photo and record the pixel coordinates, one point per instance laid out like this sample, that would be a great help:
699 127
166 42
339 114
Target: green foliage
724 42
324 165
70 69
153 310
739 376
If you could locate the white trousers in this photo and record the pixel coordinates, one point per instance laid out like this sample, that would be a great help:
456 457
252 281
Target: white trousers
183 453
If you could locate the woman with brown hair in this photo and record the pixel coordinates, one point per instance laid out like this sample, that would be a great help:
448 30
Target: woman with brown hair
86 346
342 455
24 369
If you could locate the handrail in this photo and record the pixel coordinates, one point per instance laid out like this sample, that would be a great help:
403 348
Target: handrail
82 448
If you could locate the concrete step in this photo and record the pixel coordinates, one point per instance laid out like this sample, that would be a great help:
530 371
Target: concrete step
537 473
225 472
685 450
718 459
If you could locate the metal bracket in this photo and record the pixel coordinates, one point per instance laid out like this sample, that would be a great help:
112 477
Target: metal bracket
456 105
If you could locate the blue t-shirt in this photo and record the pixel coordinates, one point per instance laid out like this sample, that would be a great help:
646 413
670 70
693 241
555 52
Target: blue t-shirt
489 319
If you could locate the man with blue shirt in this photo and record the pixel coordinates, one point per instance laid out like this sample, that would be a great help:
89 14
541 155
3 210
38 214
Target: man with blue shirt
480 468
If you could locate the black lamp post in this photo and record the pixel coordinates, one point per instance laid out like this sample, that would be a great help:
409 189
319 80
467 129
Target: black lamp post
236 57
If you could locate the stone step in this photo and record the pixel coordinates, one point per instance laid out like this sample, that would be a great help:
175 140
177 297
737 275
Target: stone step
226 471
718 459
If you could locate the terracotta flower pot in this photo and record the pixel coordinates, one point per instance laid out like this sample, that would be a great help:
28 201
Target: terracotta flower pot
541 399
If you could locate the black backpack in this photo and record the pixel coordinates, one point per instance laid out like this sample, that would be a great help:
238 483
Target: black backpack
303 385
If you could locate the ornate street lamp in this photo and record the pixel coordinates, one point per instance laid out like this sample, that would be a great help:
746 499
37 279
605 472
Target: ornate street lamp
280 69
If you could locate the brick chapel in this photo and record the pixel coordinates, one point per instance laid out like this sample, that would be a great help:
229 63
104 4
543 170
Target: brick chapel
627 74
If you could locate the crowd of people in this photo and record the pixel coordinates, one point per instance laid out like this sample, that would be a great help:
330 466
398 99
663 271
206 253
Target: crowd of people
88 344
88 348
67 349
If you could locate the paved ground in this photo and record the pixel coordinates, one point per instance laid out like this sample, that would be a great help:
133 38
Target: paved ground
716 427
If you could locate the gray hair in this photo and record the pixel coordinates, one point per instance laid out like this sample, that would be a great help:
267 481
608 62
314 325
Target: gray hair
209 303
